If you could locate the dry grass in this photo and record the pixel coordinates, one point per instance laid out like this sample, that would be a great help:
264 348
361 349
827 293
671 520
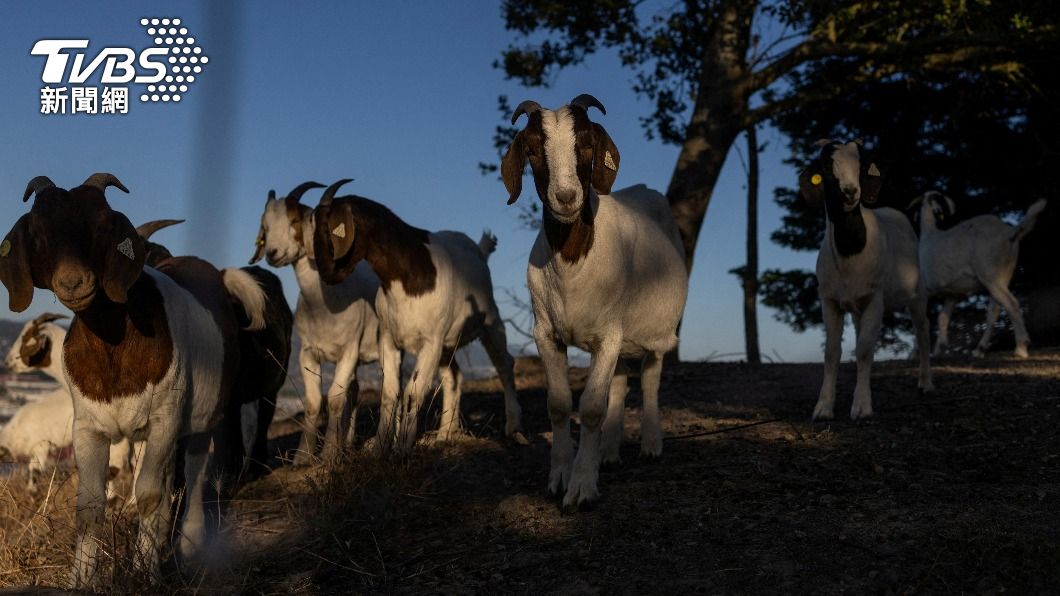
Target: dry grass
955 493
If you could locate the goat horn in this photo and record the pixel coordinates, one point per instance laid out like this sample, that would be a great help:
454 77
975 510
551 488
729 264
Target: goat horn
919 199
145 230
527 107
272 195
586 101
102 180
296 195
331 190
48 317
36 185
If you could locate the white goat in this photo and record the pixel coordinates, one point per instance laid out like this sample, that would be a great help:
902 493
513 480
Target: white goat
43 428
335 323
606 274
976 254
867 266
151 354
435 296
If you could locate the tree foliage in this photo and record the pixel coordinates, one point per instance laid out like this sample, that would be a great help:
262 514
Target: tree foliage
988 137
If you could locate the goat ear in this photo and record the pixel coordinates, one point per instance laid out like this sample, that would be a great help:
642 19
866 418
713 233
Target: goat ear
14 266
341 231
605 160
811 187
123 258
259 246
871 182
512 165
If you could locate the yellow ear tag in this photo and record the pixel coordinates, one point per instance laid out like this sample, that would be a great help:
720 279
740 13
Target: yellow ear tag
816 179
609 162
5 248
340 230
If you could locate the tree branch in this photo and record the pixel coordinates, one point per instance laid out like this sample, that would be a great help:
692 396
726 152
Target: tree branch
931 53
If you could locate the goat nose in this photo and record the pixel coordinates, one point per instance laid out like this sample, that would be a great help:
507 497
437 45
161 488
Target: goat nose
849 190
272 254
71 282
565 197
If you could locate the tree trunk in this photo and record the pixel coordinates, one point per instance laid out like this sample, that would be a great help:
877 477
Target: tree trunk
717 119
750 274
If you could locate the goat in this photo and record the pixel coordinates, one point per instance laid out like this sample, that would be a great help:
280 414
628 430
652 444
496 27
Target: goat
262 367
42 429
335 323
606 274
435 296
976 254
867 265
151 354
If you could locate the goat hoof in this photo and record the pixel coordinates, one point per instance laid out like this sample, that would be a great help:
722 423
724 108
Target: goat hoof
1021 352
518 438
861 413
822 413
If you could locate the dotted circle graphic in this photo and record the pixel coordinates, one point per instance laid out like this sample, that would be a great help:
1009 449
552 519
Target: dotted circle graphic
185 57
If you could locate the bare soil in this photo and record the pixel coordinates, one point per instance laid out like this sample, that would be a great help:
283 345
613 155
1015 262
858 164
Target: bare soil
955 492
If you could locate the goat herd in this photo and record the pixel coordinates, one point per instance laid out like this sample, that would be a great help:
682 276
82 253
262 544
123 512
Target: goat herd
163 352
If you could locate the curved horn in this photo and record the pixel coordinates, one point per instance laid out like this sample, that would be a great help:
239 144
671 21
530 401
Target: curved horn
331 190
296 194
527 107
48 317
915 202
36 185
145 230
586 101
102 180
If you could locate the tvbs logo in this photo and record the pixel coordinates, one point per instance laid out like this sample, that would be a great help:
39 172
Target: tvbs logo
167 69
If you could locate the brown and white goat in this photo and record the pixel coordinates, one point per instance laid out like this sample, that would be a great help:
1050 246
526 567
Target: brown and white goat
151 354
867 266
264 353
435 296
606 275
335 323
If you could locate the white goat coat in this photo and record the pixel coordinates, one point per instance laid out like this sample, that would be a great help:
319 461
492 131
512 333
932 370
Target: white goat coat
633 277
888 263
327 317
954 261
454 310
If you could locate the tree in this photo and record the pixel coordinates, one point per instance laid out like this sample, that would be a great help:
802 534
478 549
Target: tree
990 140
711 75
748 273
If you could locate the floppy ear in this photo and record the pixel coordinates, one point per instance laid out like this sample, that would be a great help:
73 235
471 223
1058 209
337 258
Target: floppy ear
811 187
123 257
14 265
871 182
259 247
605 160
512 165
340 230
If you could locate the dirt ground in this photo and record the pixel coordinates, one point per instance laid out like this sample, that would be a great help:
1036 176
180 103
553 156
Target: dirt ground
956 492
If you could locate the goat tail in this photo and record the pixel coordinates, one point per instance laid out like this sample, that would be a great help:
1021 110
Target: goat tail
243 288
1029 219
487 244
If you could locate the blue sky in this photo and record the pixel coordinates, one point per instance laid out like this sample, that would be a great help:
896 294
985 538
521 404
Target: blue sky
400 96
